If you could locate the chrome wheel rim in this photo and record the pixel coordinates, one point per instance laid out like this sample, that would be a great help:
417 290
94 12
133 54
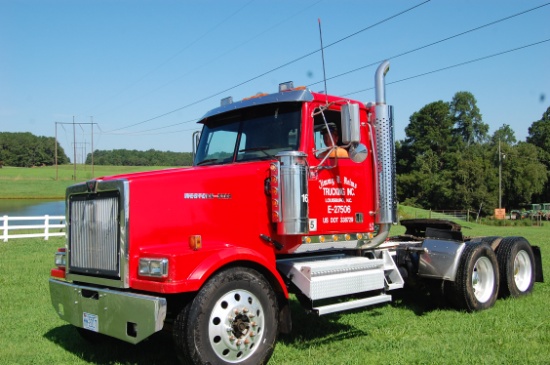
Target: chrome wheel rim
236 326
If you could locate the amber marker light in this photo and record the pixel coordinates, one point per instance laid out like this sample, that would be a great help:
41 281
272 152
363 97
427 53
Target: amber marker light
195 242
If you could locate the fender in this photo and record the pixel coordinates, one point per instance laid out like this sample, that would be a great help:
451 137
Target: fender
229 255
205 263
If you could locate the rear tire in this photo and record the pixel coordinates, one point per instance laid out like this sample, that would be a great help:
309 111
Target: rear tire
476 283
232 320
516 264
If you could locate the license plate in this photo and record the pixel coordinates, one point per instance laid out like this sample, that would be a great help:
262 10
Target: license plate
90 322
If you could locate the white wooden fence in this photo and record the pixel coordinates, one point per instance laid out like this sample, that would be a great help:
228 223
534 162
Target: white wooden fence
53 226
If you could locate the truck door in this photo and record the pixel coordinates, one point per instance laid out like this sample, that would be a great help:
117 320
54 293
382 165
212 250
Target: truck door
340 192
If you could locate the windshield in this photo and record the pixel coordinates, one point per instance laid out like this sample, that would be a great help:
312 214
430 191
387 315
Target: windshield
253 133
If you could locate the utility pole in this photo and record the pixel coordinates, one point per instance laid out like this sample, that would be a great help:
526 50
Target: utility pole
92 124
499 176
74 145
55 158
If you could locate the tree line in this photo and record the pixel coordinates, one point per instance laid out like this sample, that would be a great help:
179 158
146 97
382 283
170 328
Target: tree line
123 157
27 150
448 160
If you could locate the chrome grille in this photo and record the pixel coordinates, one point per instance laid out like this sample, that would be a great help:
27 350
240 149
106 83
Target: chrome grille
93 236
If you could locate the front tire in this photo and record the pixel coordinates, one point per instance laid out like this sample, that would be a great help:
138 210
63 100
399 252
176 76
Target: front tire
232 320
477 280
517 267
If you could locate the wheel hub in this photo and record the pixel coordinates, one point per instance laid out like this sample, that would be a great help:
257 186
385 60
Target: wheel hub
236 325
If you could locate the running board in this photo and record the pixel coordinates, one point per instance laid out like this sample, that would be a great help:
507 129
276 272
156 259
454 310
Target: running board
352 304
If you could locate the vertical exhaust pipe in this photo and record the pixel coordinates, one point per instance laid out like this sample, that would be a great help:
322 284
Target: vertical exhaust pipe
385 161
385 150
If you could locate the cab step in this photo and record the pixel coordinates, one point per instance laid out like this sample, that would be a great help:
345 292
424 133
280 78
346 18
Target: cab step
332 276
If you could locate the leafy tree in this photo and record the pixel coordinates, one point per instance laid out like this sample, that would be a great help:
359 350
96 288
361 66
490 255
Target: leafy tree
539 135
474 180
467 118
539 132
504 134
523 175
447 160
27 150
430 129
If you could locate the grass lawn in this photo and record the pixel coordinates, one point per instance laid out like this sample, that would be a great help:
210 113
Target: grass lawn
411 330
41 183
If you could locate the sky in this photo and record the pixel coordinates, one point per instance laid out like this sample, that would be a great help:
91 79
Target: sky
144 71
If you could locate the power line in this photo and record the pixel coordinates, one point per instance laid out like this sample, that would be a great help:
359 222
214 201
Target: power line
389 83
357 69
271 70
433 43
204 64
455 65
180 51
149 130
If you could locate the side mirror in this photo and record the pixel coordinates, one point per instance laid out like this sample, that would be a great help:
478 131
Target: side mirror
350 124
358 152
195 143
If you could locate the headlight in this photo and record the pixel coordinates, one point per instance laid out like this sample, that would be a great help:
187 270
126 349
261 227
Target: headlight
157 268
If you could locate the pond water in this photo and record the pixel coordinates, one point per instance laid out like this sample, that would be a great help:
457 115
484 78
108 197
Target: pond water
31 207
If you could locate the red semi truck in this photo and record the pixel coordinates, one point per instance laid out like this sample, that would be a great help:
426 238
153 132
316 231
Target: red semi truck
211 252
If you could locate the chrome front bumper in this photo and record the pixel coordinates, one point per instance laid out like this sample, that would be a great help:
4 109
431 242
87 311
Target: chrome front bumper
127 316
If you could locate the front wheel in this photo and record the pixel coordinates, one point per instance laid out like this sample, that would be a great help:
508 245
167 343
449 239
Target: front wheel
477 280
517 267
232 320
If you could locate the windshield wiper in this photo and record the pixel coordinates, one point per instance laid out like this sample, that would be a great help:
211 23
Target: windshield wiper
259 148
203 162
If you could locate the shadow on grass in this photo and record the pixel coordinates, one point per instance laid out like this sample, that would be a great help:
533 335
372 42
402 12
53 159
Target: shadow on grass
157 349
420 301
307 330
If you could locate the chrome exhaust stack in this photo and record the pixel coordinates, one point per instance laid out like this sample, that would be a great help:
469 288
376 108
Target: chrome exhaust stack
386 213
385 150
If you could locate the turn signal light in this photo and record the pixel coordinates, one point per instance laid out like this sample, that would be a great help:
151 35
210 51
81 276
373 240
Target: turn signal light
195 242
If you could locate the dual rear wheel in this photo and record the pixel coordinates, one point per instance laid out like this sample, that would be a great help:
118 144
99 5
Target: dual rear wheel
483 274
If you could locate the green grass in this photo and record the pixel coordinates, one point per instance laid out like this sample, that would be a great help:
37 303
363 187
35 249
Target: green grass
41 182
411 330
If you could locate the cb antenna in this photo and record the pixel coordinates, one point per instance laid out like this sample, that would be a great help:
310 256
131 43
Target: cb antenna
323 58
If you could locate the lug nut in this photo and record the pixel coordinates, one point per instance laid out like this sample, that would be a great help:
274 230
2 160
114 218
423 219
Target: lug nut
247 341
245 310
